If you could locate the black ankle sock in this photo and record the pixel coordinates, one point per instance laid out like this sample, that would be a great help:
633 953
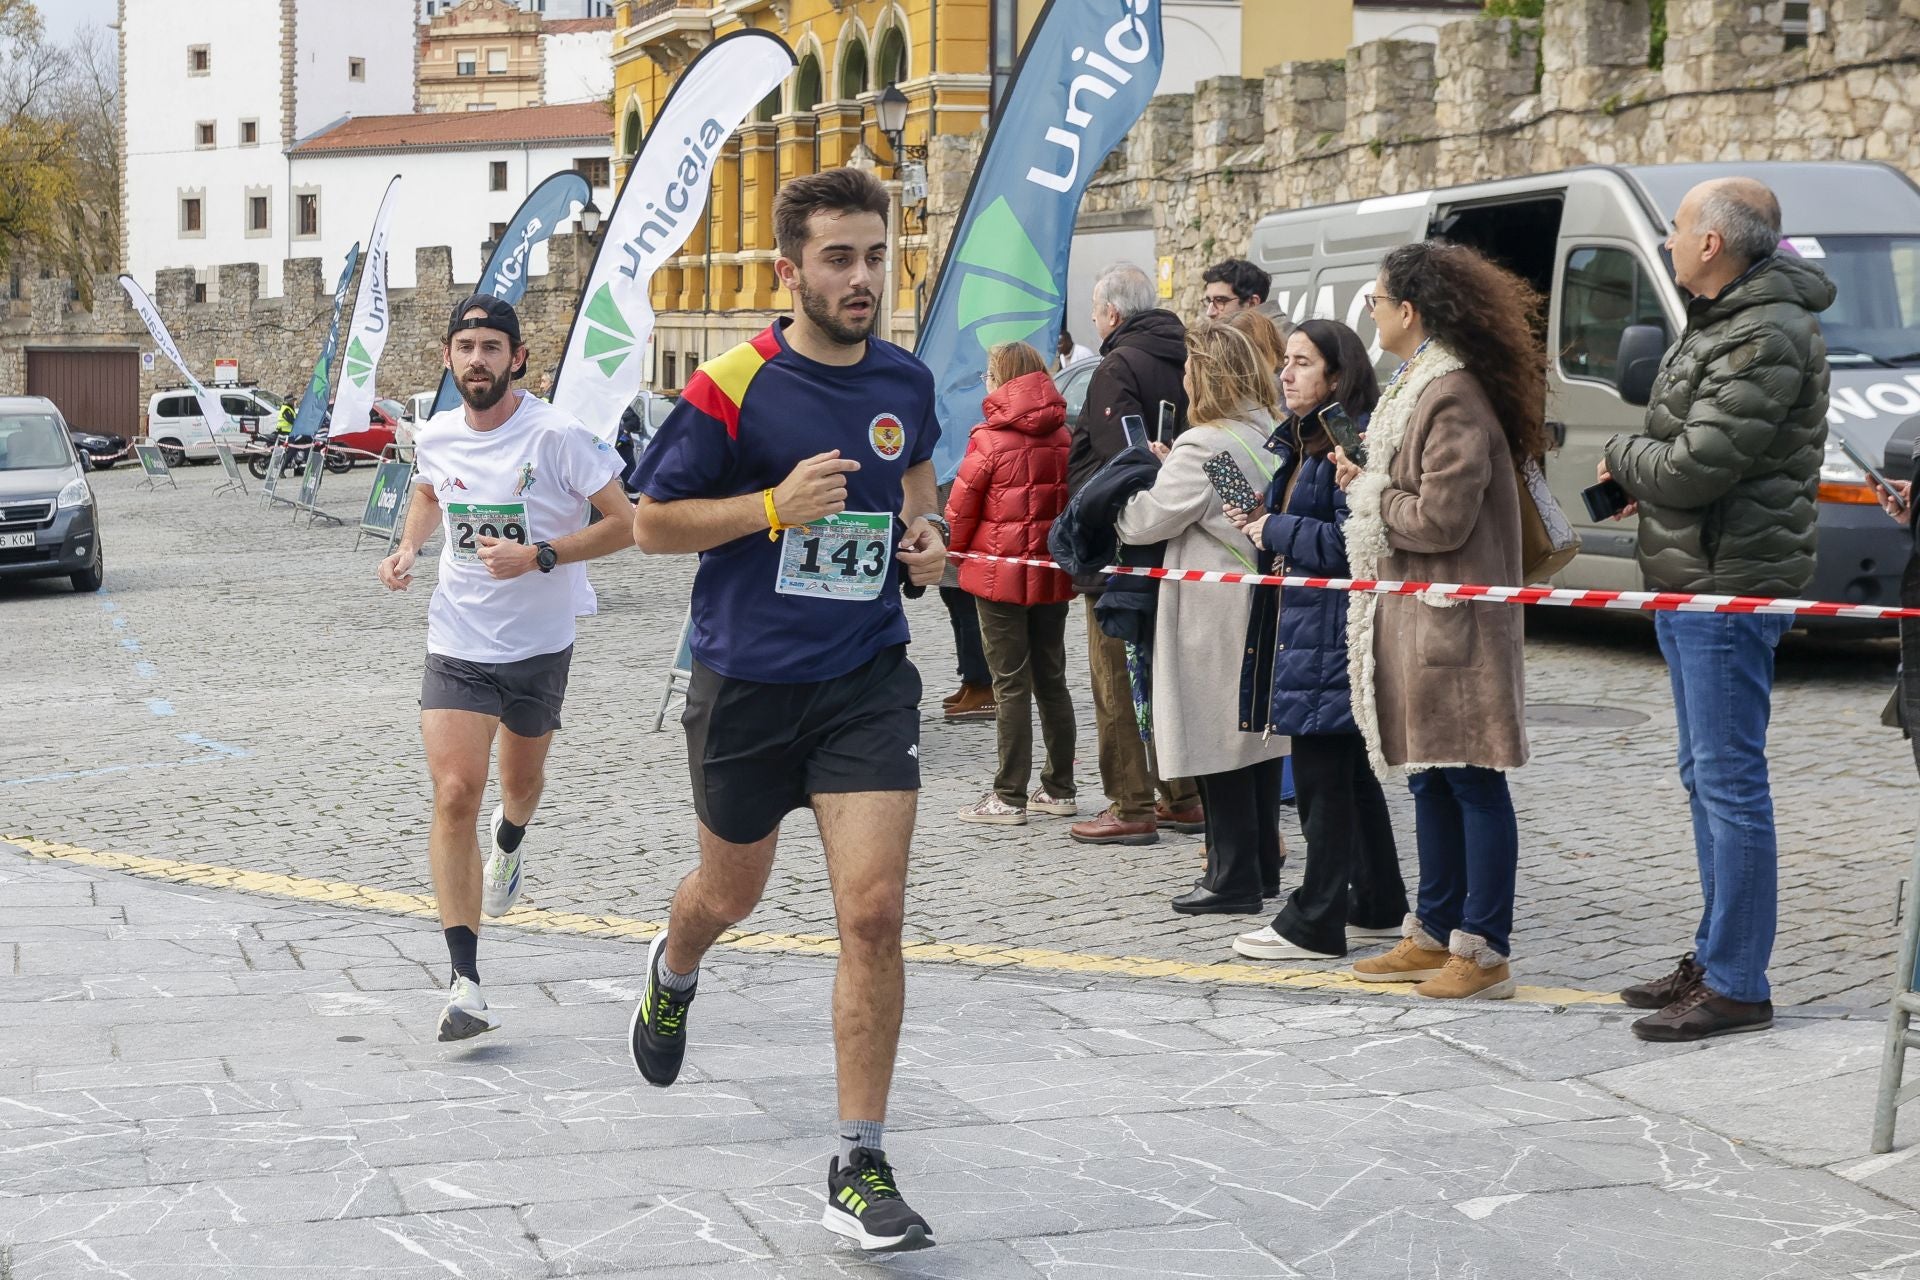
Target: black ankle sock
510 836
463 945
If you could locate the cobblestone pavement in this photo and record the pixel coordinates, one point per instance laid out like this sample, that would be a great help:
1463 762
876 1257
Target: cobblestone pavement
243 694
212 1086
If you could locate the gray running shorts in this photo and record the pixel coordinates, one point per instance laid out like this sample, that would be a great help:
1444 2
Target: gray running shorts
525 696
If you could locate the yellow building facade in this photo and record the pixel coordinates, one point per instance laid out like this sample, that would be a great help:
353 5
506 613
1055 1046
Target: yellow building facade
480 55
722 288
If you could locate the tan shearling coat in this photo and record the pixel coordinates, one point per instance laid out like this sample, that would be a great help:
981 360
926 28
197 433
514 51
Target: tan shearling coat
1437 682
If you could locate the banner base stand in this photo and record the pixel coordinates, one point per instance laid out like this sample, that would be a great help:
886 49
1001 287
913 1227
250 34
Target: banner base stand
1894 1092
679 675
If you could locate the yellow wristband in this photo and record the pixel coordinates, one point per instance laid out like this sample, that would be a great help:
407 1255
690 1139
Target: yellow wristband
773 517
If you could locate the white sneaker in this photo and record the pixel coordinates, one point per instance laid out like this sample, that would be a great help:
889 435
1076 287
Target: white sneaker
992 808
1358 936
1265 944
500 882
466 1013
1058 808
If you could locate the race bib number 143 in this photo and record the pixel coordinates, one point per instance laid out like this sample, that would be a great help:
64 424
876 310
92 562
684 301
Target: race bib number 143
842 557
468 522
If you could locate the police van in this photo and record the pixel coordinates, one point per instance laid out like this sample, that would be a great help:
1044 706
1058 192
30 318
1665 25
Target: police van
175 423
1591 240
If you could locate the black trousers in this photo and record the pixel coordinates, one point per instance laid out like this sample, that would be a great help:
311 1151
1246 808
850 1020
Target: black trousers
1353 868
1243 829
966 637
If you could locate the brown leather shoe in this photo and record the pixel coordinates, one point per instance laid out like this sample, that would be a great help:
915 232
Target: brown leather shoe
1661 992
1188 821
955 696
1702 1014
1109 829
976 703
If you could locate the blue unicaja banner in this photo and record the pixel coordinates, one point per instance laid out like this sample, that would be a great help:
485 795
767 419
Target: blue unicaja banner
550 204
313 405
1087 73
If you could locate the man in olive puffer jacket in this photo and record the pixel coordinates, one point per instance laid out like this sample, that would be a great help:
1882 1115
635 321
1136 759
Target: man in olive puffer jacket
1725 479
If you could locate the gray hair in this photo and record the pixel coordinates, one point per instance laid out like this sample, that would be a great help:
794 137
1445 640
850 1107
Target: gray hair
1747 216
1127 289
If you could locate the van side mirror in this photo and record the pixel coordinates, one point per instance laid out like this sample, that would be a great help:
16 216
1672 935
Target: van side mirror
1641 346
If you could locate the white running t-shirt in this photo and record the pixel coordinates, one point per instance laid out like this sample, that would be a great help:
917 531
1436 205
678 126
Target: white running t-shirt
528 480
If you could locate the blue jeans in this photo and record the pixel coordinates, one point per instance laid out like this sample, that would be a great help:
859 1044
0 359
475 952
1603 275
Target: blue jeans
1469 842
1721 665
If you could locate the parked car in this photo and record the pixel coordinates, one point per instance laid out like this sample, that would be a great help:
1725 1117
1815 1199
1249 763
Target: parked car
98 449
383 421
652 408
47 526
1073 380
175 423
1590 240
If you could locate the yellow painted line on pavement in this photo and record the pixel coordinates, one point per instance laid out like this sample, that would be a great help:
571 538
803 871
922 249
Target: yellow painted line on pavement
979 955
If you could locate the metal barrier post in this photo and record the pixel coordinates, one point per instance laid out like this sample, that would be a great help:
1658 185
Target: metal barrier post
236 479
270 487
310 489
1892 1092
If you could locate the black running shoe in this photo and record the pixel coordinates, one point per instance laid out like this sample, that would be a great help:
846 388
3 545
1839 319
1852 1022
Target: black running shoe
658 1031
864 1206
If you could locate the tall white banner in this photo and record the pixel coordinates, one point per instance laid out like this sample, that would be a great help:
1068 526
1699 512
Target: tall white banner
660 203
217 420
367 336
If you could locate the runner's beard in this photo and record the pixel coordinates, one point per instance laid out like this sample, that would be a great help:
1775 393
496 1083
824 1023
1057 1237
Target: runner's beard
843 330
484 398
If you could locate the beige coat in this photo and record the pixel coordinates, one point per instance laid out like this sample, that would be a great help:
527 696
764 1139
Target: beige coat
1437 682
1200 627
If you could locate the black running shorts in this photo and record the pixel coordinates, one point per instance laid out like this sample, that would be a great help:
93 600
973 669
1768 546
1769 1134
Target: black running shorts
758 751
525 695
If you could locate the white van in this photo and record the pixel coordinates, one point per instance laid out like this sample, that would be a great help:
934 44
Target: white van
1591 241
175 423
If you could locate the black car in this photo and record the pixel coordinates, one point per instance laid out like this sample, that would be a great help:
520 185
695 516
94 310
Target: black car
47 525
99 449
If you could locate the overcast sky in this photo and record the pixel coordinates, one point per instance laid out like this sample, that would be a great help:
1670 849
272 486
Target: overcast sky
64 17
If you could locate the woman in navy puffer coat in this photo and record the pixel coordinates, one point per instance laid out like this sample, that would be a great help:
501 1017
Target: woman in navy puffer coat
1294 677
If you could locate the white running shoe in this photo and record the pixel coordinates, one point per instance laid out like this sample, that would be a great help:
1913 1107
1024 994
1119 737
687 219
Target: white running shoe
501 882
466 1013
1265 944
1361 936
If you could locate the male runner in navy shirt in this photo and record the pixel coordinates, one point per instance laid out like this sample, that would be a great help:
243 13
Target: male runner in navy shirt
799 466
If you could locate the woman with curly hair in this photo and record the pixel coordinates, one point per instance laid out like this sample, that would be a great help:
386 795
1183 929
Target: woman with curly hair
1438 684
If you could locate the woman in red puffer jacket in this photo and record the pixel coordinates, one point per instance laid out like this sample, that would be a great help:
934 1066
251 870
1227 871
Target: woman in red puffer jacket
1012 483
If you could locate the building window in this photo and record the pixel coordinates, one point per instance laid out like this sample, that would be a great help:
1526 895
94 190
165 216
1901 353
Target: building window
891 62
496 62
1003 47
356 68
259 213
199 291
199 59
597 170
306 214
481 106
191 221
806 87
853 70
670 370
249 133
203 135
497 175
464 63
630 135
1793 24
496 232
769 107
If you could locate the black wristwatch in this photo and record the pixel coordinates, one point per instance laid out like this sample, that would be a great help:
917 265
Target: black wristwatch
939 522
545 557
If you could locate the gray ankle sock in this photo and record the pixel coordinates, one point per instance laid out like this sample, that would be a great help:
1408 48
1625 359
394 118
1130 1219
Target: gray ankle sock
664 974
871 1134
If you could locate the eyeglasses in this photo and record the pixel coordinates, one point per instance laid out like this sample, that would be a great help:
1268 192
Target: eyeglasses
1215 302
1375 299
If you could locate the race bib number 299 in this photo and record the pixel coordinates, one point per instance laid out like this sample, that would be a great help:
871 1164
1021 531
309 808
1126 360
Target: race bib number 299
842 557
468 522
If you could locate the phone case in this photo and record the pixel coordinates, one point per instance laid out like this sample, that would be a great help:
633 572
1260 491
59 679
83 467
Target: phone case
1224 474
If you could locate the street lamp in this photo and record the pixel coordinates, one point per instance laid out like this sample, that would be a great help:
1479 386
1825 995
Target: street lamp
892 112
590 220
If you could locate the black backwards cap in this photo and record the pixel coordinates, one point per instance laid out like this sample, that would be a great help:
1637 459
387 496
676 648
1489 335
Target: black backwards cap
499 315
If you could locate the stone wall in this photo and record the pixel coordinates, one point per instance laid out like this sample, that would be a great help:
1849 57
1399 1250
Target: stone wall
277 339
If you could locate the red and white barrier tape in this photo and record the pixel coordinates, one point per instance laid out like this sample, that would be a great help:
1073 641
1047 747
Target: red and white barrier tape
1646 601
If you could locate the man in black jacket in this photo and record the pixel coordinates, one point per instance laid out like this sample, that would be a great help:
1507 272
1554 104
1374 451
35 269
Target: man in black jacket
1143 357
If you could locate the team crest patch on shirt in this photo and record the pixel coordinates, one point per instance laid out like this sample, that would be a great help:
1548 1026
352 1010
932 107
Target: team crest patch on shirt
887 436
452 482
525 483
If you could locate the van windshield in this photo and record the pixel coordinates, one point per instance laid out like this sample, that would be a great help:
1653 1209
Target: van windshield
1876 317
266 397
31 442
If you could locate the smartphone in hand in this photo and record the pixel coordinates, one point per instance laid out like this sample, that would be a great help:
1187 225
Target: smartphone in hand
1874 474
1344 432
1164 428
1230 482
1134 427
1605 500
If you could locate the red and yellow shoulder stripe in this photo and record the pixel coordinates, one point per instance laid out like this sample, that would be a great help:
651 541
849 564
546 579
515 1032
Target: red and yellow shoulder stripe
719 387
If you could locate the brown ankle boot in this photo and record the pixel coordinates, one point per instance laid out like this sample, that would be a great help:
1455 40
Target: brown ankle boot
976 703
1473 969
1418 958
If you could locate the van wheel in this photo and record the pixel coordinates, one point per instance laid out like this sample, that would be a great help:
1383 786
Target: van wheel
173 457
90 578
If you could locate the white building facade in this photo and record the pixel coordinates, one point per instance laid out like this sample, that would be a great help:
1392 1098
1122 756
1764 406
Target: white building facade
462 176
213 95
576 61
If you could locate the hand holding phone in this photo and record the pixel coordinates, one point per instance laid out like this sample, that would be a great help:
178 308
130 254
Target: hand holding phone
1164 428
1134 427
1874 475
1230 482
1606 500
1344 432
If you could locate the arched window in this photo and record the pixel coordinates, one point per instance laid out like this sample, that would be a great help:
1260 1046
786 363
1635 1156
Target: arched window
630 134
853 69
806 85
769 107
891 65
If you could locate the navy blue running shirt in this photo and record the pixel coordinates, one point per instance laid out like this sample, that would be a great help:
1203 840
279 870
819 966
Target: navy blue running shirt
764 609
